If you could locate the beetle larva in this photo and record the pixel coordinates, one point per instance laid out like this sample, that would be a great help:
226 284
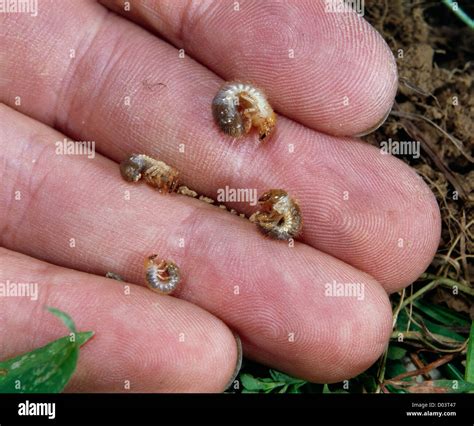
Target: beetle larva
162 277
239 106
154 172
279 215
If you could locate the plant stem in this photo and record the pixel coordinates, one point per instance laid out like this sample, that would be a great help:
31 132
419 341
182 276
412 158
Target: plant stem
463 16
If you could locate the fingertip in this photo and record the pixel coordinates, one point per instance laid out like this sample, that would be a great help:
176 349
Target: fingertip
355 344
417 232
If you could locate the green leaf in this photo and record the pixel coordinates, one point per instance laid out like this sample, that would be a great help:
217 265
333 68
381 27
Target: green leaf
451 372
251 383
402 321
295 388
326 389
277 376
441 314
442 330
46 369
278 382
396 352
469 375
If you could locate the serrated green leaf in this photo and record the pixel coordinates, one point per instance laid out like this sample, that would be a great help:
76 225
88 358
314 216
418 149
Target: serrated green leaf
469 374
250 383
253 384
278 376
278 382
44 370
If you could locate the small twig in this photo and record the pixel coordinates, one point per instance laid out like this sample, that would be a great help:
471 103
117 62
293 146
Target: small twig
418 337
415 133
419 363
457 143
381 373
463 250
425 370
450 251
397 309
419 293
418 90
448 261
410 314
447 282
383 361
441 339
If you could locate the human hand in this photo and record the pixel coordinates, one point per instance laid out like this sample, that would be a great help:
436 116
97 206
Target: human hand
95 76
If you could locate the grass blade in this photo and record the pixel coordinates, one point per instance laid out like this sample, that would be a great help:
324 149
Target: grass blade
469 375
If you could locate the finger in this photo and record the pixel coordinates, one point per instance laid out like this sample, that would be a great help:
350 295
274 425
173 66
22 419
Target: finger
359 206
143 342
275 297
330 71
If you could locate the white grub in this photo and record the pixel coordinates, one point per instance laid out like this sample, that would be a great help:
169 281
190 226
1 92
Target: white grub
237 107
154 172
162 276
279 216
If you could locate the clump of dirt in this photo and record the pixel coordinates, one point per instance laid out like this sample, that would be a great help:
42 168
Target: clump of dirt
435 106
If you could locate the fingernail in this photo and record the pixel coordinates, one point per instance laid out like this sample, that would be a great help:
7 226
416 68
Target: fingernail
239 360
373 129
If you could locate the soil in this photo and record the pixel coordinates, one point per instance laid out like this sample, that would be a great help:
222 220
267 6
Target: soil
435 106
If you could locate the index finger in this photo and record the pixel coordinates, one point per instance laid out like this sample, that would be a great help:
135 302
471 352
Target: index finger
329 71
